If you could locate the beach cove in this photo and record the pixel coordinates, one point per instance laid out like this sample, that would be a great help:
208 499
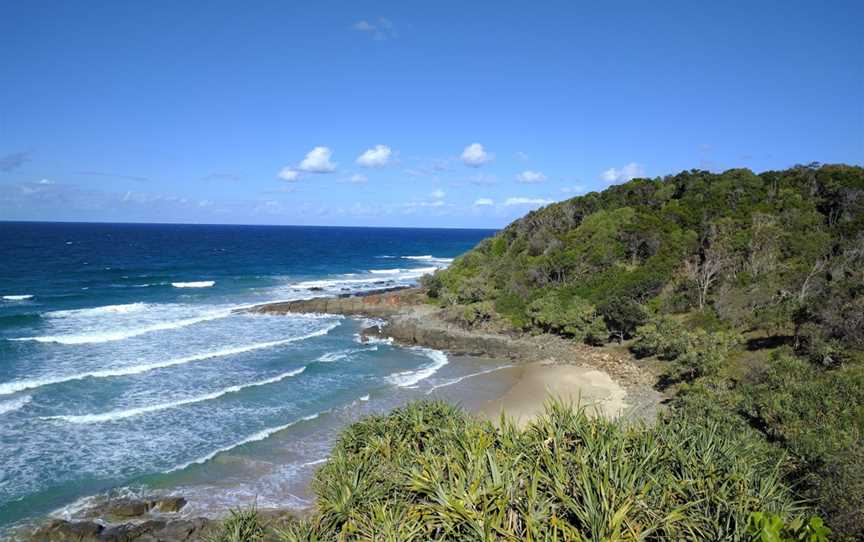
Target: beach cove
502 374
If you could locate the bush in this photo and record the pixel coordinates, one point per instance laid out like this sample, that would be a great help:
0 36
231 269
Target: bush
663 336
240 526
622 316
771 528
705 353
573 317
696 353
818 415
470 316
428 471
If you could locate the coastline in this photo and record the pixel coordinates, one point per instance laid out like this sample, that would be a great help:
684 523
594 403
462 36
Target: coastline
602 380
550 365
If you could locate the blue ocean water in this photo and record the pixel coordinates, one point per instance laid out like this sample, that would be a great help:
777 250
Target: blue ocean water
124 364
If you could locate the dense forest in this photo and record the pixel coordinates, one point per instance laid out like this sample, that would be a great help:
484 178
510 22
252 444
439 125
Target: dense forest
741 292
744 291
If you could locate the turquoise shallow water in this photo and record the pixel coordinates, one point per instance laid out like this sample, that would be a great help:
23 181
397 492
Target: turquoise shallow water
123 366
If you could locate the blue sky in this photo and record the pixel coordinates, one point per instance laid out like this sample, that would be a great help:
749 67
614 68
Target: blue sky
406 113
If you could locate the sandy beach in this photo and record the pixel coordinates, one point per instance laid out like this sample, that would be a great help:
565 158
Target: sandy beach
537 383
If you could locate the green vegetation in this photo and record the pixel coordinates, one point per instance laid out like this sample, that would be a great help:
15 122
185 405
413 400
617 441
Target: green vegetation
428 471
743 292
747 288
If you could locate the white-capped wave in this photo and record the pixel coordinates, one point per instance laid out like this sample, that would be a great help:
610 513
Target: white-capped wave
386 271
7 388
407 379
372 339
194 284
14 404
128 413
127 308
338 355
364 398
465 377
425 257
260 435
23 297
119 335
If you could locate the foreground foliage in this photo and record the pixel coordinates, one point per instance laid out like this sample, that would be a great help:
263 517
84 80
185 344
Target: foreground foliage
429 472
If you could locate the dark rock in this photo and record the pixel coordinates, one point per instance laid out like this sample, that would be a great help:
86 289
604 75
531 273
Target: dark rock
127 508
132 531
177 530
169 504
60 530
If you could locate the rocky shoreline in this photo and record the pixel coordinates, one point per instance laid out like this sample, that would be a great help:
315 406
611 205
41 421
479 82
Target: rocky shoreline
410 321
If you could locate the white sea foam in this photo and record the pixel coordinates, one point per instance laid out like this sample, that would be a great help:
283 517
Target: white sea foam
260 435
364 398
440 262
121 334
380 277
371 339
14 404
17 297
194 284
128 413
127 308
407 379
465 377
338 355
7 388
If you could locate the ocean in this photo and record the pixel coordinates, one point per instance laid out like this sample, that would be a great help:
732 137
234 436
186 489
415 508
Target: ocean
125 368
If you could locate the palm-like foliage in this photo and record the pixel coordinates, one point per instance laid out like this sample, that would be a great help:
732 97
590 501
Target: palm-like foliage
430 472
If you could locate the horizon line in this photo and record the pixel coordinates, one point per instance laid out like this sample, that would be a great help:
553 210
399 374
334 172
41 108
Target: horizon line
243 225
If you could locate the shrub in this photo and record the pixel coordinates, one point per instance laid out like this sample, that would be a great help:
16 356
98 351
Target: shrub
663 336
622 316
771 528
573 317
705 353
428 471
472 315
240 526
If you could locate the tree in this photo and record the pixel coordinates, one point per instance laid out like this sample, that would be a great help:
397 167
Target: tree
622 316
706 268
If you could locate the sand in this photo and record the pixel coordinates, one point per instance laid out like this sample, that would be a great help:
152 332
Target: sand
538 382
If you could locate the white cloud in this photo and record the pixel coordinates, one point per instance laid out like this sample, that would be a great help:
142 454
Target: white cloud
318 161
526 201
475 155
380 30
437 194
529 176
521 155
482 202
626 173
357 178
289 174
46 181
376 157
